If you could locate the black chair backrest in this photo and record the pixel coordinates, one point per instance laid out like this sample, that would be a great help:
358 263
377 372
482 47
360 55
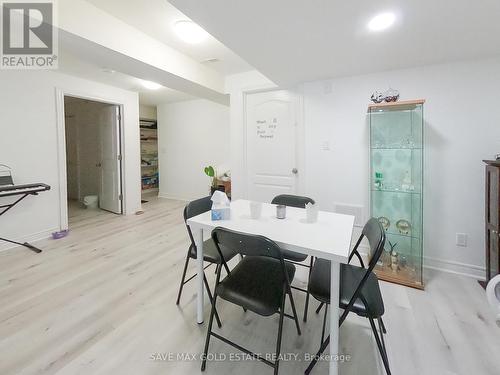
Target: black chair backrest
248 245
195 208
292 200
375 234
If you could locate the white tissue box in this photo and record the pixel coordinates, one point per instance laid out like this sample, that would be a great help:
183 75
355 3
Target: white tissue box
221 213
220 206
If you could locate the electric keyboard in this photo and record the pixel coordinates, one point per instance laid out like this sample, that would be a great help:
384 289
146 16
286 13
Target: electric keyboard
29 189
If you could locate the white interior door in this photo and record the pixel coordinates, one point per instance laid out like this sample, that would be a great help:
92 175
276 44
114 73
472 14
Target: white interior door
271 128
110 186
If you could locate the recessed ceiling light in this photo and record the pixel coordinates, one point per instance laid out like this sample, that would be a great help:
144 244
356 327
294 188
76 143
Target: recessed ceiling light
190 32
150 85
381 21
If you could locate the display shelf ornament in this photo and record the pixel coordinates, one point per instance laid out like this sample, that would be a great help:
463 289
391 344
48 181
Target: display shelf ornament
391 95
386 223
403 226
377 97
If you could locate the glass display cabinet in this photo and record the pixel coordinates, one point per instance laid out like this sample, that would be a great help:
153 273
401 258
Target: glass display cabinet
396 188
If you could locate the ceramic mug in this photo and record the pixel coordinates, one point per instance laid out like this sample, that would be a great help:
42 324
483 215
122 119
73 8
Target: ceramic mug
312 214
255 210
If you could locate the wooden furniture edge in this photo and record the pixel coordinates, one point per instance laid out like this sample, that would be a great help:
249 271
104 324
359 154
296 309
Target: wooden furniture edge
402 103
384 277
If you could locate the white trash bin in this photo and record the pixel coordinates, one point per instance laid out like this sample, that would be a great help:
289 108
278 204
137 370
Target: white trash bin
91 201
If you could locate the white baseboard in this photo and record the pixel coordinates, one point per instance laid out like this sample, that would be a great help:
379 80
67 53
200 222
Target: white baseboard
168 196
469 270
449 266
43 235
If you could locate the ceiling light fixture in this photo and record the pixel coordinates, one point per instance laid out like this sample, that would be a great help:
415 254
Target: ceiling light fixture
381 21
150 85
190 32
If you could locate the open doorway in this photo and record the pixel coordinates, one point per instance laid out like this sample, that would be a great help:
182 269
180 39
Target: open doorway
93 156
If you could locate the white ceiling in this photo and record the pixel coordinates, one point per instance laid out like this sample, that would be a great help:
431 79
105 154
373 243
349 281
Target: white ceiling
156 18
70 64
296 41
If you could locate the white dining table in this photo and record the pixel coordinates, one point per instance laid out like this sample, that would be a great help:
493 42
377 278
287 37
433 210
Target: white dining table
328 238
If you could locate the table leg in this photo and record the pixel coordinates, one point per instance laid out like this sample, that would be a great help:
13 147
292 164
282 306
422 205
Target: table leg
198 239
334 317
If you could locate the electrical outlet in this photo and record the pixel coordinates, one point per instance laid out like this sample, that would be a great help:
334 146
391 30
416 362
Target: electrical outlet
462 239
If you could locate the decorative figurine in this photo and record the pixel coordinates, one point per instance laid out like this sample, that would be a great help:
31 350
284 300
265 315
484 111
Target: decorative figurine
394 261
385 222
403 226
391 95
389 253
377 97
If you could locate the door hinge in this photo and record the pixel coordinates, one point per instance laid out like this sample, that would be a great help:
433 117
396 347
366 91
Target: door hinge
119 157
120 197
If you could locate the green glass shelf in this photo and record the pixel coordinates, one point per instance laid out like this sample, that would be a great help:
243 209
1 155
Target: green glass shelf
396 191
390 233
397 148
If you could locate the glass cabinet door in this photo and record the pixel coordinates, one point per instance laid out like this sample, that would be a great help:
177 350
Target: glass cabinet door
396 188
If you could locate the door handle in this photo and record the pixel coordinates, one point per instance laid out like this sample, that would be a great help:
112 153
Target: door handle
99 165
295 171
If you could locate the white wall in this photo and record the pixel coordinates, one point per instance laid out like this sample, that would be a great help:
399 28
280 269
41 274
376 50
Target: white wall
191 135
28 143
462 127
147 112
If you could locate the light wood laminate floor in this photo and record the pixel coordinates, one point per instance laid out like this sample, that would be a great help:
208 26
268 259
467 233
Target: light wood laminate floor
102 301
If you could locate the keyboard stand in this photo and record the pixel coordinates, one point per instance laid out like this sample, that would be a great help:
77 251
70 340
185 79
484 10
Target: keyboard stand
23 191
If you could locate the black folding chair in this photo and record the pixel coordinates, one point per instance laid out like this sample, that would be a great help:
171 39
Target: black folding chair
359 289
260 283
210 252
292 256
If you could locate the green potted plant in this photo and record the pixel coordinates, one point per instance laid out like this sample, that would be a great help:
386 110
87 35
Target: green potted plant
212 173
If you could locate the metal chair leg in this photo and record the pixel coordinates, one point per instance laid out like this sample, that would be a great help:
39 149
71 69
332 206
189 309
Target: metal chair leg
209 333
381 349
324 326
319 307
381 329
226 268
383 325
296 318
280 332
318 354
182 280
211 299
306 307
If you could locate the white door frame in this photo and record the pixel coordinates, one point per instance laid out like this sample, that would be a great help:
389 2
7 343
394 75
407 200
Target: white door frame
299 136
61 147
